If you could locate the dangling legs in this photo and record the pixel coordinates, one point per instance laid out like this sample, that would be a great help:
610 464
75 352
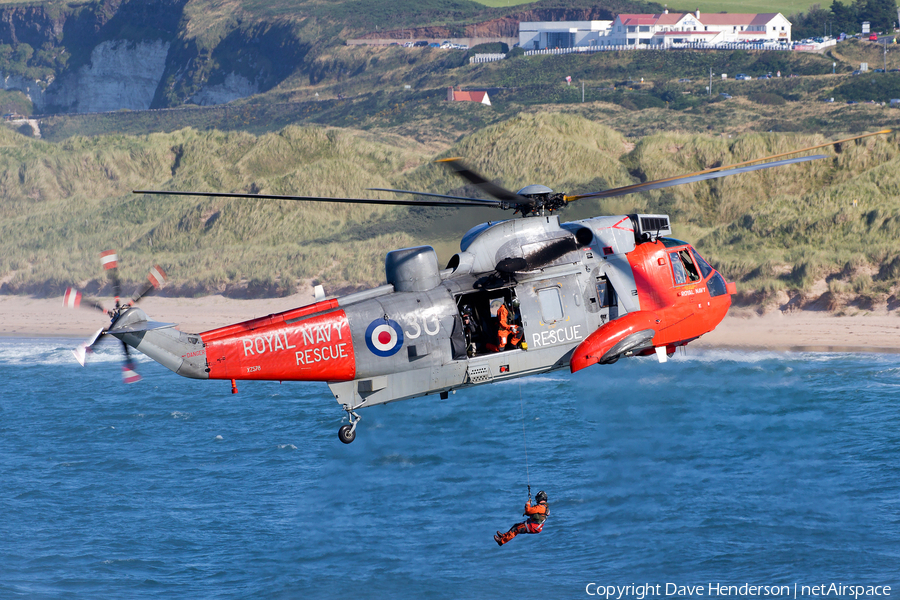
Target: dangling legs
502 538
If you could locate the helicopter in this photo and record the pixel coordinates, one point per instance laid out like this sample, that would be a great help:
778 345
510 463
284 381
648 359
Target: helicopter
573 294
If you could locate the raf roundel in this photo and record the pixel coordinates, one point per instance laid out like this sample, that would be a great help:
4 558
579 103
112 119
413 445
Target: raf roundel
384 337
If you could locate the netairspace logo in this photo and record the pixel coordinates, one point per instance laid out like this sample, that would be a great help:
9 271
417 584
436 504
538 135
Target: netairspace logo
720 590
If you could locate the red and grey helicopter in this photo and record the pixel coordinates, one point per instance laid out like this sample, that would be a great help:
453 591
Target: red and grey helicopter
577 294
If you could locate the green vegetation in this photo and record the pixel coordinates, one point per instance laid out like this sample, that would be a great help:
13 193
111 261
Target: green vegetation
830 223
751 6
64 201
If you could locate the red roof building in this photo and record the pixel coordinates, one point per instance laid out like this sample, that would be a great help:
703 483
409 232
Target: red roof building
456 96
714 28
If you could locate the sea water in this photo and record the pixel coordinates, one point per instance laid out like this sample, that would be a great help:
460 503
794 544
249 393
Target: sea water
716 468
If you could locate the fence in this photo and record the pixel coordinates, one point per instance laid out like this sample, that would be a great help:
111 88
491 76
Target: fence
483 58
683 46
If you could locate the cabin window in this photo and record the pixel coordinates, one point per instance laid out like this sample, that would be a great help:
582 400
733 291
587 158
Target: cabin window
683 267
551 305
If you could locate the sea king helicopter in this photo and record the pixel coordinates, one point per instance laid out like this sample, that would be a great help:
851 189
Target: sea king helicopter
575 294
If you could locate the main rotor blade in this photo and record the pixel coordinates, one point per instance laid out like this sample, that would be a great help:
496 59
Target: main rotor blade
488 187
681 180
479 200
721 171
471 201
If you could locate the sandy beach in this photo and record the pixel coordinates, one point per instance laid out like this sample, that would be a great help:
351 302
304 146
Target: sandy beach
22 316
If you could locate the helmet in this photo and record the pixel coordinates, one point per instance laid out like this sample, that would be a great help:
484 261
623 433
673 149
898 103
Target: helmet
514 303
541 496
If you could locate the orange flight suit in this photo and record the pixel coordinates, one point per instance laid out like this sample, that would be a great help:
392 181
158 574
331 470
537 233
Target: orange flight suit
505 331
536 514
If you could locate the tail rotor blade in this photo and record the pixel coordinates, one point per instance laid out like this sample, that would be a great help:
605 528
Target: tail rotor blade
85 346
74 299
110 261
129 374
155 280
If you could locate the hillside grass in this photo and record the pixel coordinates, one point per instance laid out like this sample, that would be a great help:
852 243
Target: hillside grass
64 202
777 231
750 6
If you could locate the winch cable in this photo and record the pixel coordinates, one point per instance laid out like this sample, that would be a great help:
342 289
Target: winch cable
524 441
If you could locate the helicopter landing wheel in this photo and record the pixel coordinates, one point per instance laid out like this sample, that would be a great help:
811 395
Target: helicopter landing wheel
347 433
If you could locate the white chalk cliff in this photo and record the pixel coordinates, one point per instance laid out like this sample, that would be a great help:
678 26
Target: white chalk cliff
235 86
33 89
121 74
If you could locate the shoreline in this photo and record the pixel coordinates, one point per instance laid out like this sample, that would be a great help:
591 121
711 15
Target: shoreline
742 329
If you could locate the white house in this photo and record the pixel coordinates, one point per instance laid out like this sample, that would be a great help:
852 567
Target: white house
668 28
661 30
539 35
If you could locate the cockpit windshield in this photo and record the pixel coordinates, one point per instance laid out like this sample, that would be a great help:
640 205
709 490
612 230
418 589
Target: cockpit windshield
705 269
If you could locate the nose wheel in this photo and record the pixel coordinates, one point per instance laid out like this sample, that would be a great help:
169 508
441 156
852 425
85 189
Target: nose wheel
347 433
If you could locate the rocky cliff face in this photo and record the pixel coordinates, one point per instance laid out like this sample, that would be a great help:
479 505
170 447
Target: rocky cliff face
34 90
235 86
138 54
121 74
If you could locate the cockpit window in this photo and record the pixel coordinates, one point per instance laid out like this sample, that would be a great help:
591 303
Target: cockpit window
683 267
705 269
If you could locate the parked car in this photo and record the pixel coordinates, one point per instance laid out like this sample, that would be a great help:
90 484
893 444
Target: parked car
878 71
764 77
421 44
434 45
873 37
852 102
684 80
742 77
725 96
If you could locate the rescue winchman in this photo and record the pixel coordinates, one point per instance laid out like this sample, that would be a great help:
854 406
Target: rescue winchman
536 514
507 331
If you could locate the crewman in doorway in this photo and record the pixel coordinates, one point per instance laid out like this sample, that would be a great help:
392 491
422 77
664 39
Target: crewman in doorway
507 331
536 514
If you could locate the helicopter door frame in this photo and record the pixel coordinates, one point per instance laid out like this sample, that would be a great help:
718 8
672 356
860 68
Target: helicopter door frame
479 304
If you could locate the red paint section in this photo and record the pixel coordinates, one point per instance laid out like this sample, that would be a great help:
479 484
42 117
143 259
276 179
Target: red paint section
317 348
676 313
237 328
591 350
652 278
687 311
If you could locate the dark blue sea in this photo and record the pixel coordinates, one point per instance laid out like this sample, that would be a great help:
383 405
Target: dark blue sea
718 468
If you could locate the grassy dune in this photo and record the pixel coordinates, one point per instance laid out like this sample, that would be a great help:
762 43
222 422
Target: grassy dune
64 203
826 226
